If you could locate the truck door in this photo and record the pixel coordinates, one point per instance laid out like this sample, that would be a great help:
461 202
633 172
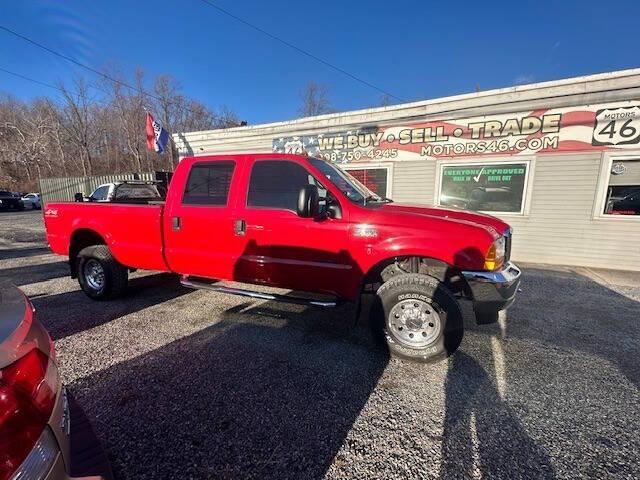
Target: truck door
283 249
198 222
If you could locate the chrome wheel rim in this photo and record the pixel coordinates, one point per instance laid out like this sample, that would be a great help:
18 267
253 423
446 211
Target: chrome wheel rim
414 323
94 274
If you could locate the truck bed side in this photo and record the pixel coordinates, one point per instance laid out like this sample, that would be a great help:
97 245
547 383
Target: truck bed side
132 232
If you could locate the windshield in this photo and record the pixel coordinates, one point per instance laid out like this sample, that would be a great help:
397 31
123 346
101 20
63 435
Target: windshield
352 188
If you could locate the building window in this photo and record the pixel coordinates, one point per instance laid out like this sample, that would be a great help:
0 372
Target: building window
375 179
208 184
490 187
623 189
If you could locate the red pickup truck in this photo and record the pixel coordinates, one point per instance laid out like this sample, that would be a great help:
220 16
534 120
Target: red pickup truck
299 223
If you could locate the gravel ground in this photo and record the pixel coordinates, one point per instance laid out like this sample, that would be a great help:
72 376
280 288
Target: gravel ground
191 384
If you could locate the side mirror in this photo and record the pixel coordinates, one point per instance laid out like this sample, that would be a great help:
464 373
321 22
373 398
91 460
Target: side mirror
308 201
78 197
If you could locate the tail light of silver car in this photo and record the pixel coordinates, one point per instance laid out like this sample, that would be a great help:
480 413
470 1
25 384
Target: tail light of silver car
28 388
40 459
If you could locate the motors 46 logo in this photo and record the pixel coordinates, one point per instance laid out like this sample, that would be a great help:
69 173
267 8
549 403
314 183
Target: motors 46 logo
617 126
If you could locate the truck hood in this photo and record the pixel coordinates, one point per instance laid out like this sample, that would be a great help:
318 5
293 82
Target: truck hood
492 224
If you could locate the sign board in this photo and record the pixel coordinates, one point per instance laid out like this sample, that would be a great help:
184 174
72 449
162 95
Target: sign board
558 130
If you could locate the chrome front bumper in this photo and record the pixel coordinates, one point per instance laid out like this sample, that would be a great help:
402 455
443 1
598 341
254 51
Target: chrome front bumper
492 291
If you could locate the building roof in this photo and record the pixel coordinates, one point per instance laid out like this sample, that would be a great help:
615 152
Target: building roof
583 90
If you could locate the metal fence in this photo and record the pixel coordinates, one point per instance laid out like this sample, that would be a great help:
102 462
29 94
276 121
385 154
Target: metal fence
64 189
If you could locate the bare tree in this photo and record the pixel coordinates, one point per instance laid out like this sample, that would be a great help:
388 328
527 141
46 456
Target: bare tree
226 118
77 118
26 130
129 109
96 129
386 100
315 100
58 138
169 102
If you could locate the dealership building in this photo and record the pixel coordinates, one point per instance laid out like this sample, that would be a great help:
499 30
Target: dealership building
559 161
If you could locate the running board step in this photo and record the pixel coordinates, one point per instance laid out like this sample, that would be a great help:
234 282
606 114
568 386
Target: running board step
205 285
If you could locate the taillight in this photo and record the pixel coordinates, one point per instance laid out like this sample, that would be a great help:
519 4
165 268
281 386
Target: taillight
28 389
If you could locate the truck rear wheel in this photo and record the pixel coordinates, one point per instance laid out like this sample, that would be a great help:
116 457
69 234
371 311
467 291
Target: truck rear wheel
100 275
422 319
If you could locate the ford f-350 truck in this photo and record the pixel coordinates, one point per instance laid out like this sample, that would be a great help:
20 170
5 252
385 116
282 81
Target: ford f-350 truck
299 223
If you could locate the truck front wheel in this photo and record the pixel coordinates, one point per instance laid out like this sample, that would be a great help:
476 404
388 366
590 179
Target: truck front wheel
422 319
100 275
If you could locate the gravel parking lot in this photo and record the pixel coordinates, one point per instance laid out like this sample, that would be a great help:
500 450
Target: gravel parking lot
192 384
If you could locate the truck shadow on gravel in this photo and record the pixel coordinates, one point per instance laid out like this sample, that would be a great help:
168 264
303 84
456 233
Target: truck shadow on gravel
481 432
272 391
253 396
72 312
571 311
6 254
557 319
41 272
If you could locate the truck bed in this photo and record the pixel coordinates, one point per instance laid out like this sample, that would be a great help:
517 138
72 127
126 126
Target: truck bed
133 232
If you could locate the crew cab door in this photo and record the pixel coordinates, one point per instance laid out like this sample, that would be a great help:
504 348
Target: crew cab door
198 220
282 249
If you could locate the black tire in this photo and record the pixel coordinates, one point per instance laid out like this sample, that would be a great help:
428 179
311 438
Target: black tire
420 318
114 275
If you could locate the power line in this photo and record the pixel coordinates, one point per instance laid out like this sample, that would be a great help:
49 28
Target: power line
298 49
74 61
58 89
80 64
29 79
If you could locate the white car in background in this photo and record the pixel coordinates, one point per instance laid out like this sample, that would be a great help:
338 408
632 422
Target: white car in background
32 200
128 191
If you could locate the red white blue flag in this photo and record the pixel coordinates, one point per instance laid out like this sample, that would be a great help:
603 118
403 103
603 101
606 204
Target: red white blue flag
157 137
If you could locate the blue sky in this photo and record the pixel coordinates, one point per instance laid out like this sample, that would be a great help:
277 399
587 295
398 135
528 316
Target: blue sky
413 49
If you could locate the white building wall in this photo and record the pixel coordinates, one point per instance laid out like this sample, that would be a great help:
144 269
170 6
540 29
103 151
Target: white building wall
561 223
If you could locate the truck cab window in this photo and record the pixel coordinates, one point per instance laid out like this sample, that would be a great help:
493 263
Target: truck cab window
277 184
208 184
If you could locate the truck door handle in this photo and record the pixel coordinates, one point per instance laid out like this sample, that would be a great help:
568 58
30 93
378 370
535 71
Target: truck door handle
175 224
240 227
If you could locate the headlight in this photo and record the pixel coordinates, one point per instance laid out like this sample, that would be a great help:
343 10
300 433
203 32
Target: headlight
495 256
